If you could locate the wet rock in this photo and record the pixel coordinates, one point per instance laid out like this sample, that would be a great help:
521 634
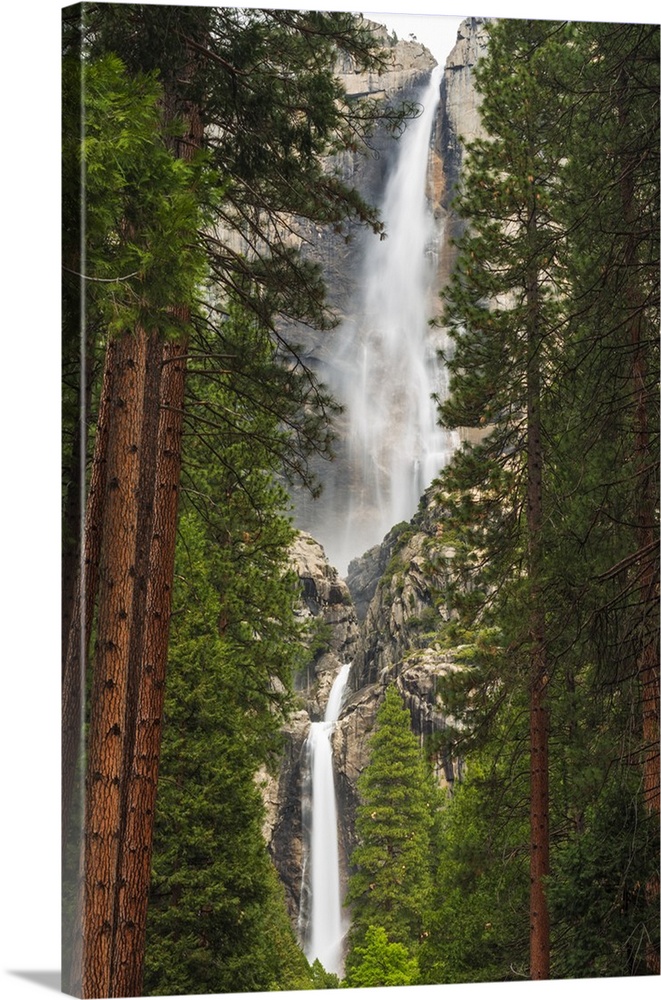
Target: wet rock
283 793
326 605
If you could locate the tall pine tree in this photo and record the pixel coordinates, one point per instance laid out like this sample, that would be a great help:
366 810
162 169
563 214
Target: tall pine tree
554 312
229 78
217 919
503 314
390 884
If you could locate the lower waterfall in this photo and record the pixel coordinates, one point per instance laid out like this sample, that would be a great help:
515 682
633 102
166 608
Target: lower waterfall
325 927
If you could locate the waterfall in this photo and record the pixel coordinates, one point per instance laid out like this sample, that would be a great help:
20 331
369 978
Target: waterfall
384 367
325 928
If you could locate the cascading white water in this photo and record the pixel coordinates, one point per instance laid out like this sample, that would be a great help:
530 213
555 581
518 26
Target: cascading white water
325 928
384 367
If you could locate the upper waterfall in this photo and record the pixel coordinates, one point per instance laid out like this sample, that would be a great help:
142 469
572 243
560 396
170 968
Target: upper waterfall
383 365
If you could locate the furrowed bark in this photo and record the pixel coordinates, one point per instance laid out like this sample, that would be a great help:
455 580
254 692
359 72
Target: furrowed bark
142 776
144 752
82 611
110 690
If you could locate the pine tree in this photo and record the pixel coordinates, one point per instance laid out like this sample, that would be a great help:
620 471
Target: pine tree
613 257
227 79
217 920
554 310
612 366
503 311
380 962
479 926
139 253
390 884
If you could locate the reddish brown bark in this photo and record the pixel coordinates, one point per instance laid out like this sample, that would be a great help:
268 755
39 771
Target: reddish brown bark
137 567
82 611
107 735
135 861
142 767
135 592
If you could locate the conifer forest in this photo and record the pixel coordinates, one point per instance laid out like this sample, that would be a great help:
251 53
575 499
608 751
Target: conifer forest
412 739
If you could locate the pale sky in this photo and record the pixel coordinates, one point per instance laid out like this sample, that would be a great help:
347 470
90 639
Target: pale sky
437 32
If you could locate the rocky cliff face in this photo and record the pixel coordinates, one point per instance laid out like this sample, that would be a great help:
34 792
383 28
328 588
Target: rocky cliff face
409 68
394 645
325 606
457 123
397 645
459 119
383 618
408 63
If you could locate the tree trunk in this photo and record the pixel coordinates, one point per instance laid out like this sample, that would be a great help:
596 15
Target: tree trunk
82 606
110 691
136 574
142 777
137 569
142 768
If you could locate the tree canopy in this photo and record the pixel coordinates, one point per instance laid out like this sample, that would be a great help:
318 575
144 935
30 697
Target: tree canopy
195 141
553 310
390 885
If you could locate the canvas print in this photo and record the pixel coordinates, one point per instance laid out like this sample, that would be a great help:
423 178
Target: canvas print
360 500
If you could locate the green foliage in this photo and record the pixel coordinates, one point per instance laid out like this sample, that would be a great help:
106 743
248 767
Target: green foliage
479 924
605 918
158 223
322 980
572 116
264 85
540 200
274 108
390 885
131 215
142 204
217 920
381 962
